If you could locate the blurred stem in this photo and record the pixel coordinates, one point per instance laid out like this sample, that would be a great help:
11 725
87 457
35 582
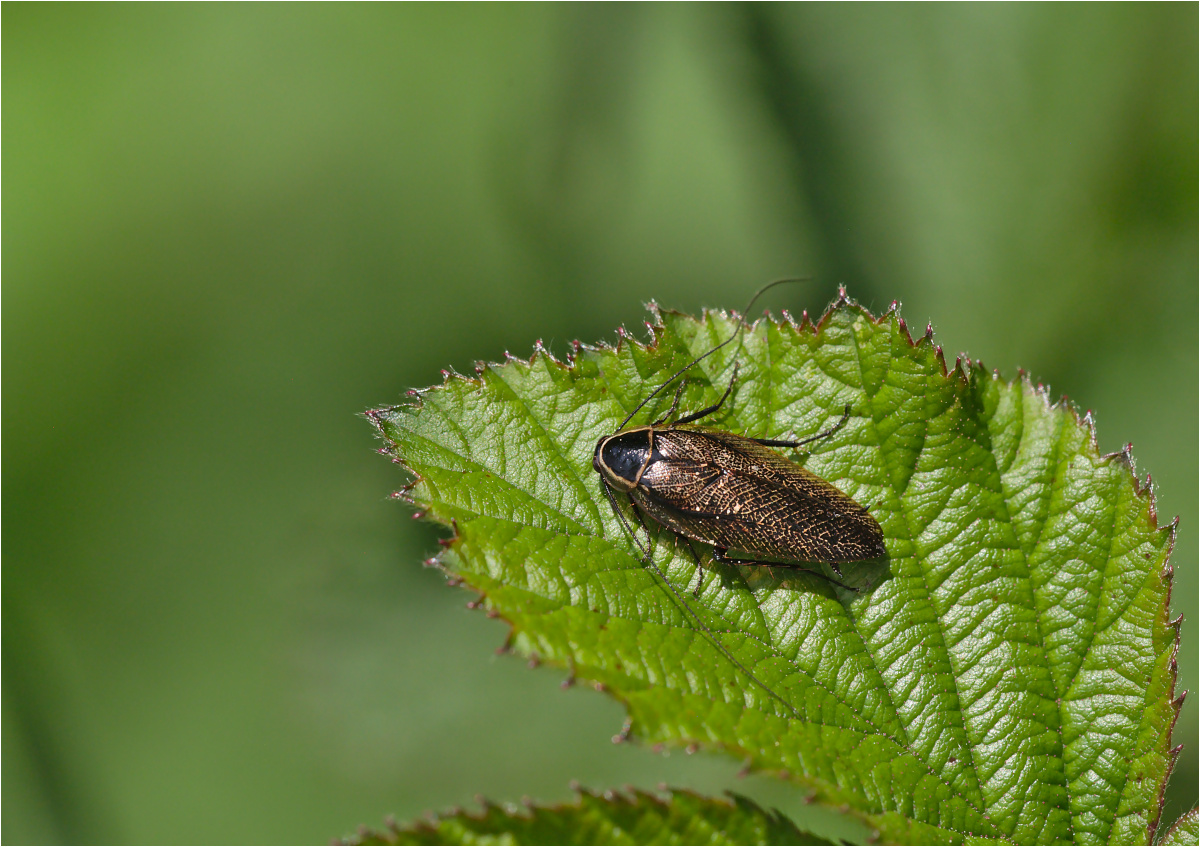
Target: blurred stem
34 709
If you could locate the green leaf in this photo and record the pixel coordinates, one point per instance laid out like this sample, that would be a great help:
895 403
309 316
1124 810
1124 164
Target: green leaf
636 817
1008 673
1186 830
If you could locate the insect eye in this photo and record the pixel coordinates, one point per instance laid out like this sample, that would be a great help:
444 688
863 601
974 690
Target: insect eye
625 454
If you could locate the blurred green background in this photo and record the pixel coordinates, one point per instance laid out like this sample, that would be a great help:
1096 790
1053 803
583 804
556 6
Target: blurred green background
229 230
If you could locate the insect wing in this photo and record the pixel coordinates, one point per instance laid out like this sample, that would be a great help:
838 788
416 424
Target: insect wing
729 491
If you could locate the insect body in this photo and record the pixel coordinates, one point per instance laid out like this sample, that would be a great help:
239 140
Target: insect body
735 493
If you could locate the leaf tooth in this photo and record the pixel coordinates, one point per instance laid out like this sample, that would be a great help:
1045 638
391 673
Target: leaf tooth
961 365
940 357
1089 422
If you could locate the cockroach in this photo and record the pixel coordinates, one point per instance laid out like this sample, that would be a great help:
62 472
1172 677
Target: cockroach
732 493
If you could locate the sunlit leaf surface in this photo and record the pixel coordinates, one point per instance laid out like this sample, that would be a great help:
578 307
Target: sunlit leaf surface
1006 674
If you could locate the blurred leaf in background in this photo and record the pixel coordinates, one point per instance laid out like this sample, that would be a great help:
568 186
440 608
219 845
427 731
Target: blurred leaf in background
229 229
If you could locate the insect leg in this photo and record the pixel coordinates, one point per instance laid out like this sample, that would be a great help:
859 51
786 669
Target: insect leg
721 555
767 442
674 406
695 416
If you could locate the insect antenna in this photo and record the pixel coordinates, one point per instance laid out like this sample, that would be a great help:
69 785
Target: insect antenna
648 559
736 333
